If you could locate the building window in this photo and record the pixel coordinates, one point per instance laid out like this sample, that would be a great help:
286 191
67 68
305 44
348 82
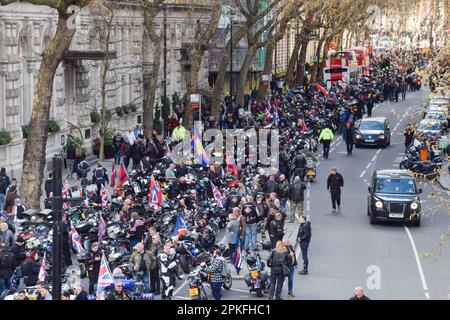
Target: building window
139 119
87 134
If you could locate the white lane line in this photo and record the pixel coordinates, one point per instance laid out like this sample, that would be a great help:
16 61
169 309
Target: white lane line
239 290
378 152
308 205
362 174
368 165
181 287
342 152
374 157
308 190
427 295
419 265
317 163
182 298
449 297
332 149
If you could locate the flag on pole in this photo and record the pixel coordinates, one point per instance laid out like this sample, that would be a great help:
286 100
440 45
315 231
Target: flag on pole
321 89
303 127
217 196
168 152
180 226
106 197
155 196
112 182
237 257
101 227
105 278
65 195
203 157
231 166
76 241
123 175
41 275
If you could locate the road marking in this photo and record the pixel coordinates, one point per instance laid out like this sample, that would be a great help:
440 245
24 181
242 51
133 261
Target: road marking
332 149
374 157
308 205
378 152
181 287
362 174
342 152
239 290
368 165
182 298
317 163
427 295
419 265
308 190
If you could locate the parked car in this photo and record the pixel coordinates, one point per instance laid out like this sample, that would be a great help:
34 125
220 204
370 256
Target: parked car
430 128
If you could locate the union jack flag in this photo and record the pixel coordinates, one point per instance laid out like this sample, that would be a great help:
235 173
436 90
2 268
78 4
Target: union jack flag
106 197
76 241
105 278
41 275
217 196
65 195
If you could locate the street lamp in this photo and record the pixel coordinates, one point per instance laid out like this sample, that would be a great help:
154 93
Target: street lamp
231 16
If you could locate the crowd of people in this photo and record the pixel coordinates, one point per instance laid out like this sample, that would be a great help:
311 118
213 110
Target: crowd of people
257 203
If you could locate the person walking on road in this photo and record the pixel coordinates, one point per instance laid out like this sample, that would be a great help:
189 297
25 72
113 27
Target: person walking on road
335 183
348 135
326 136
409 136
303 238
369 106
279 261
288 245
359 294
217 265
296 197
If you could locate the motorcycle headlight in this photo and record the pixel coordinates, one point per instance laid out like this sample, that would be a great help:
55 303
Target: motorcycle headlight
379 204
414 205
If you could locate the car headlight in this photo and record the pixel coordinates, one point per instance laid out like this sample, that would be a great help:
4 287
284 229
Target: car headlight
358 136
379 204
381 136
414 205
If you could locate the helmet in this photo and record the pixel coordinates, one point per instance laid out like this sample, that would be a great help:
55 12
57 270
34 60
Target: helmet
251 260
267 245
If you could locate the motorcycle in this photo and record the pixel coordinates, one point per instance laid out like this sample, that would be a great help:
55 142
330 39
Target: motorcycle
258 280
310 170
196 289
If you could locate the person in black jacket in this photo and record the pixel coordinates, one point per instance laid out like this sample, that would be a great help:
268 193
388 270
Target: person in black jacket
79 292
303 238
137 150
359 294
30 269
271 186
6 267
279 262
335 183
49 185
19 254
276 232
299 166
296 197
92 266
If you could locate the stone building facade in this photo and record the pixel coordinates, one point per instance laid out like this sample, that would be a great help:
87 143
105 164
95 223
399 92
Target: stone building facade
26 29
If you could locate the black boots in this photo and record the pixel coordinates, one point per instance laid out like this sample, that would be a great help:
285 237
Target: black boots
304 271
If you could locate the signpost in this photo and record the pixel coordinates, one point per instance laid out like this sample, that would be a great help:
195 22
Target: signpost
265 80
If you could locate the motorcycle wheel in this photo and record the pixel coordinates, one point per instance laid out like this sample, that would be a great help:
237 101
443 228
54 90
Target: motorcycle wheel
259 292
184 263
227 282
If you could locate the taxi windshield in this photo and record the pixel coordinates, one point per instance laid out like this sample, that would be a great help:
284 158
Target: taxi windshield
395 186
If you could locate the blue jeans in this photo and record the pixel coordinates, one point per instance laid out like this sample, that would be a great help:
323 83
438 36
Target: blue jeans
4 284
291 278
117 156
250 236
145 278
216 289
304 247
283 203
2 200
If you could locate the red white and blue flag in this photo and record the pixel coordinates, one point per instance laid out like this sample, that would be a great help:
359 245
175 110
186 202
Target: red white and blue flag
101 227
105 278
41 275
65 195
237 257
231 166
76 241
217 196
156 196
106 197
123 175
112 182
196 143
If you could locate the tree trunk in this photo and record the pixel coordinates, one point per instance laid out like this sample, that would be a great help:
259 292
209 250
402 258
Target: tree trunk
196 59
242 79
339 41
292 61
221 73
316 65
302 56
150 77
268 61
35 146
326 48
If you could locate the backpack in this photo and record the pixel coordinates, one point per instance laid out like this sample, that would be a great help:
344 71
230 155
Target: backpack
99 175
6 259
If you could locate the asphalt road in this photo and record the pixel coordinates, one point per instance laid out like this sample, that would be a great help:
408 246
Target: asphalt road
388 260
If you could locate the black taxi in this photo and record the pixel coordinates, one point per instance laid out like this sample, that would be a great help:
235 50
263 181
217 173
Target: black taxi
393 196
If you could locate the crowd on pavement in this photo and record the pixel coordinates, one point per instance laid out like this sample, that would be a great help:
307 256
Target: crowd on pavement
257 202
